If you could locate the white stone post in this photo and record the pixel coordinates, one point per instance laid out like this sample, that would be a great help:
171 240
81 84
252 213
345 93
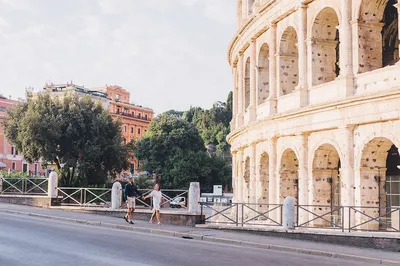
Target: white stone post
302 20
240 111
116 196
288 213
52 185
346 55
253 77
194 197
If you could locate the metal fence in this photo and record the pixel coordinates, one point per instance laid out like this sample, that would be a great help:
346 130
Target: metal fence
23 186
240 214
168 195
84 197
341 218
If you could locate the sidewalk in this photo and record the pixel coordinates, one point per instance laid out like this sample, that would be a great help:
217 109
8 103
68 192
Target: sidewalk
213 235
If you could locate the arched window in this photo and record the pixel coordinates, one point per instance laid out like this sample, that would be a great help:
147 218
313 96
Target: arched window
288 62
263 74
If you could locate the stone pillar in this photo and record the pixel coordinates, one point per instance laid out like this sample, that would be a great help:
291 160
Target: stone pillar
253 84
234 176
346 42
398 20
303 177
116 196
1 184
240 177
234 98
240 107
272 70
288 213
347 184
194 197
253 184
302 36
52 185
273 179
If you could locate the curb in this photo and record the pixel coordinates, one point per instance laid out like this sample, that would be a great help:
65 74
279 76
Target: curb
211 239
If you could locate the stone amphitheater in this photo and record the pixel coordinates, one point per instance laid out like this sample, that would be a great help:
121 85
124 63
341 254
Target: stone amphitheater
316 103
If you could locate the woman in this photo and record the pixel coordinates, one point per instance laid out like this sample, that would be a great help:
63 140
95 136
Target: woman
157 197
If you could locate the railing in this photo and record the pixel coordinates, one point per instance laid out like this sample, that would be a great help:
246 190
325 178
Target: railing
23 186
84 197
240 214
168 195
320 216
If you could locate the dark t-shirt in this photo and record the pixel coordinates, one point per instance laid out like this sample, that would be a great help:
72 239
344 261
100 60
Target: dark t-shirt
131 190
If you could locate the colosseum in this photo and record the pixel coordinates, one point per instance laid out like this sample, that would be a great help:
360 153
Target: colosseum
316 103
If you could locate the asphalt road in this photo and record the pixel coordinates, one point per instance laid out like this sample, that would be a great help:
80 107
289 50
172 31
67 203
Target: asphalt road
36 241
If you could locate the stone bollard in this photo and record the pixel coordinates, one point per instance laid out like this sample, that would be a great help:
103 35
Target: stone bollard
194 197
1 184
116 196
52 185
288 213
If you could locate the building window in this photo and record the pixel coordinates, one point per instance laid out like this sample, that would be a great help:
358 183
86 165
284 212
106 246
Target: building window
13 166
14 151
132 130
117 97
124 128
132 169
118 111
138 131
24 168
145 116
133 114
139 115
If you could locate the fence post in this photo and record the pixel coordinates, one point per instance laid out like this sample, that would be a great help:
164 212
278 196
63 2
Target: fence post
288 213
116 196
1 184
52 185
194 197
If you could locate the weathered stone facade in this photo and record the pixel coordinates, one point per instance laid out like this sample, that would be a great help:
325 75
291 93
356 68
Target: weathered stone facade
316 103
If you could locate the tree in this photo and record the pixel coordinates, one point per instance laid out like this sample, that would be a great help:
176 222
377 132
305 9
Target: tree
173 148
76 134
144 182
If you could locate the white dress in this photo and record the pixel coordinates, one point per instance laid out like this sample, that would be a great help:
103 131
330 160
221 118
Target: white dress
156 199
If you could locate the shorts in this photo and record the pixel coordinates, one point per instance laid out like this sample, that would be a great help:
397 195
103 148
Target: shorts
131 202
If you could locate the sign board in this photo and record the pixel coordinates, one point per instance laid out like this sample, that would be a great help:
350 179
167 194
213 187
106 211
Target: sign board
217 190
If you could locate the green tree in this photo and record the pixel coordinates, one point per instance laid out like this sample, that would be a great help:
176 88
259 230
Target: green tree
144 182
74 132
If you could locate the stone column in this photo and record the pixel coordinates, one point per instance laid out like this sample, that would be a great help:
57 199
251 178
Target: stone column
272 70
194 197
234 98
52 185
253 184
234 176
303 177
302 36
116 196
240 107
398 20
240 176
253 77
273 179
347 184
346 54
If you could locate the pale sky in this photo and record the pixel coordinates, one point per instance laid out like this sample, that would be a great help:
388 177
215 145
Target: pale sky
169 54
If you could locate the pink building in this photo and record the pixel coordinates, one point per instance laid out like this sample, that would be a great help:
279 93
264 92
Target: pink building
10 158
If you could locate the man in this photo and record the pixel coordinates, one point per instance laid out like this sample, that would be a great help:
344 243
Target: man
130 194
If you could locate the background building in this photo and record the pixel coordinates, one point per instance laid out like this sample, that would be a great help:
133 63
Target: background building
316 103
10 158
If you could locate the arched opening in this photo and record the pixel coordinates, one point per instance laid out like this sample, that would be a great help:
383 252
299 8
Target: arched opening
263 74
247 84
379 22
380 182
325 47
288 181
326 185
288 62
264 180
246 178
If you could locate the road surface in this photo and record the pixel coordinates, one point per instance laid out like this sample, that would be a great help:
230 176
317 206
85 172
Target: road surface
35 241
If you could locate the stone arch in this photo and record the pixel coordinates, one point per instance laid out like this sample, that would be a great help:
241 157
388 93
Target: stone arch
288 175
247 83
288 61
264 179
378 168
378 21
325 46
263 73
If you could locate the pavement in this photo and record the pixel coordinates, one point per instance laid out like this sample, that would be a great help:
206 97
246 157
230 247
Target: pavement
292 252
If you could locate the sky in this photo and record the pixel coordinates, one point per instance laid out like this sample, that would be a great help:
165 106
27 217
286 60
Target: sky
169 54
